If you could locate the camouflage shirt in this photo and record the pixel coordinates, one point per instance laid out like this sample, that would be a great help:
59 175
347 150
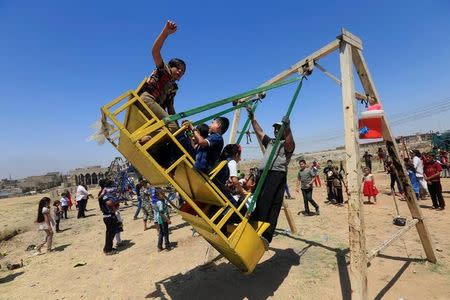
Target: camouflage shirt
161 86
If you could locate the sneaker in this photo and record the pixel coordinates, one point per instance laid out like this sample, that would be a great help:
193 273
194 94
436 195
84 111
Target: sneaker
168 248
112 252
265 242
317 211
160 249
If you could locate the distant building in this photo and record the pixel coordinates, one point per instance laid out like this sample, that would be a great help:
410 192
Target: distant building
40 182
88 176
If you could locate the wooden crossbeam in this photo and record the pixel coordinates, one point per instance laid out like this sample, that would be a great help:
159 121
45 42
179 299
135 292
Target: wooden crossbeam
358 95
296 68
372 254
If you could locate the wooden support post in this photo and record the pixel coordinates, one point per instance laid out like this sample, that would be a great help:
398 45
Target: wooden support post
357 239
289 218
393 151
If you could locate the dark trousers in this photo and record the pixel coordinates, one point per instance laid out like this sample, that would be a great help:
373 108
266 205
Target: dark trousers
163 233
288 194
269 204
65 208
394 179
307 198
337 191
435 190
139 207
82 208
111 230
57 224
330 195
369 164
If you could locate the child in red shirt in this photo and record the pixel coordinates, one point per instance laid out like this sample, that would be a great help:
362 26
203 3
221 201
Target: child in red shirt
432 175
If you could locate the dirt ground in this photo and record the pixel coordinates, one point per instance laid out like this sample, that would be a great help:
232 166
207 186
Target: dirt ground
313 265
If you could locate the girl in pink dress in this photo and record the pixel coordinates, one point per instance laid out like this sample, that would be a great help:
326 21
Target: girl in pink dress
369 189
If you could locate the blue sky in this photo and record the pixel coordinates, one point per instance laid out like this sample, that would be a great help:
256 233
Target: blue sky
61 60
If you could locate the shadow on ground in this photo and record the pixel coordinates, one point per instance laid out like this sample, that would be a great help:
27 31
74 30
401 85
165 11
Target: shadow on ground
179 226
399 273
10 277
341 260
61 248
224 281
65 229
126 244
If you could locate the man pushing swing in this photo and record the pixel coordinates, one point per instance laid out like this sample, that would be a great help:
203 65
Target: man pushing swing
270 200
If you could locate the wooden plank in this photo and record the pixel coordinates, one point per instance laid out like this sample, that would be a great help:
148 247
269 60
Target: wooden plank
389 241
357 239
358 95
351 39
393 151
325 50
324 71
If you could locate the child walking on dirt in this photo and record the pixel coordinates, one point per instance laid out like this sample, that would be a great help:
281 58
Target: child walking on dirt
46 222
369 189
119 241
64 204
57 213
163 220
147 193
305 179
315 168
338 182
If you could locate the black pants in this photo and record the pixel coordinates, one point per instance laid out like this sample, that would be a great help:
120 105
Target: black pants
111 230
435 190
163 234
369 164
394 179
337 191
307 197
57 224
82 208
270 200
330 195
65 208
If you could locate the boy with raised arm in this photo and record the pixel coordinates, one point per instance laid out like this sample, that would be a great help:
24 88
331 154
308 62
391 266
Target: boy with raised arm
160 89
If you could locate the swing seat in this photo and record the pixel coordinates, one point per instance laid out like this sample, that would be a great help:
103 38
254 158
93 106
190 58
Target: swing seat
206 208
370 124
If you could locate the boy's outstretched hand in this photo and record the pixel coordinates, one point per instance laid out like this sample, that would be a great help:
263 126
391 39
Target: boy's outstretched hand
170 27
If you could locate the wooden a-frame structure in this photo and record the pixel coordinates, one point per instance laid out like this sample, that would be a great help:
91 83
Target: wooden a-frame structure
350 54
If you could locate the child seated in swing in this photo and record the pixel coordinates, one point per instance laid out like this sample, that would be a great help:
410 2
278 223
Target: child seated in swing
211 145
200 153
